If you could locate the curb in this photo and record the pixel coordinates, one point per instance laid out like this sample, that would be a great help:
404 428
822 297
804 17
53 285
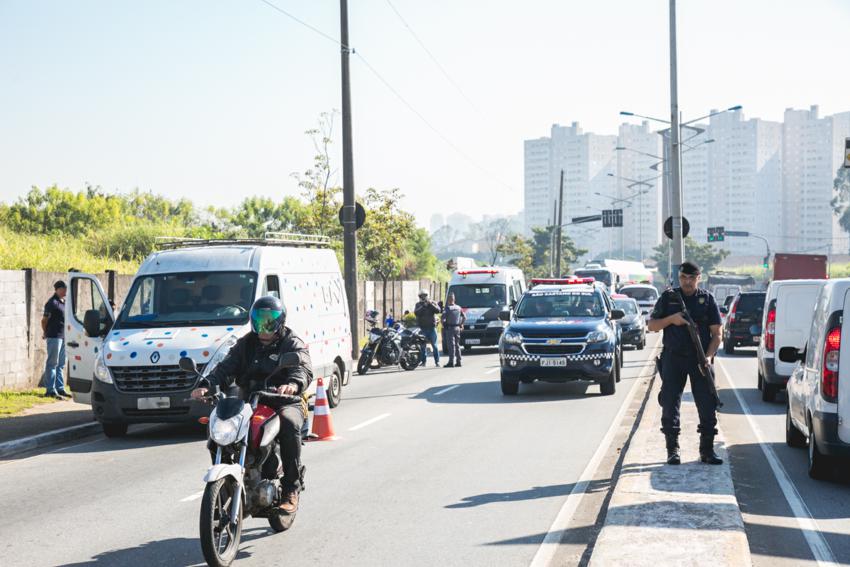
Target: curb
48 438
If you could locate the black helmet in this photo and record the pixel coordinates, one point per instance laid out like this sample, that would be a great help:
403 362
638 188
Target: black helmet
268 315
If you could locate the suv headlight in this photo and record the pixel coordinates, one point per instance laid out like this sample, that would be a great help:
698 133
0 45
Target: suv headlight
225 431
219 355
497 323
101 371
598 337
512 338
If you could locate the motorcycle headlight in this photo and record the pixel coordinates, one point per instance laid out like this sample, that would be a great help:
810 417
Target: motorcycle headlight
101 371
598 337
512 338
219 355
497 323
225 431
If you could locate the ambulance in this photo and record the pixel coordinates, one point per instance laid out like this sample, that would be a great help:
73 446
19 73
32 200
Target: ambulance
483 293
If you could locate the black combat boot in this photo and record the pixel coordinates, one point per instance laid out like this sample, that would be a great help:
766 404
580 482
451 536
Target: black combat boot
706 450
673 457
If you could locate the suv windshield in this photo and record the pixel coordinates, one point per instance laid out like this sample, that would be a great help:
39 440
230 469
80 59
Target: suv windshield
603 276
626 305
561 304
750 302
193 298
641 293
478 295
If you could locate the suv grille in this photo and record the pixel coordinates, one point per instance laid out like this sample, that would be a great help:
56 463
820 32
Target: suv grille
550 334
554 349
152 378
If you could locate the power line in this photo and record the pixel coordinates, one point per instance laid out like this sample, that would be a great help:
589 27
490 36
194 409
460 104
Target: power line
393 90
431 55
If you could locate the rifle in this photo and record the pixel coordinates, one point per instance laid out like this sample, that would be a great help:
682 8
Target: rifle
704 368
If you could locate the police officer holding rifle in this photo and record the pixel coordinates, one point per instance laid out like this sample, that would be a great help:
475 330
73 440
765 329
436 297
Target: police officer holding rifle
690 319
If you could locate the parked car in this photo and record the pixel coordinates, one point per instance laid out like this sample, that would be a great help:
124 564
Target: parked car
193 300
742 326
645 295
633 325
787 320
818 411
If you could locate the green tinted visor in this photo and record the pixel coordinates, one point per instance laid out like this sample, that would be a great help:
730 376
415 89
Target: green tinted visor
265 320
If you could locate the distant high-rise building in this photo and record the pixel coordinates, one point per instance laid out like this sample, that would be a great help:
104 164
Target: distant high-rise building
639 188
537 193
437 222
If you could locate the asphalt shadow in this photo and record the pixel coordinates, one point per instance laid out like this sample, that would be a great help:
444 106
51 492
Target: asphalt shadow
535 493
491 393
142 436
754 402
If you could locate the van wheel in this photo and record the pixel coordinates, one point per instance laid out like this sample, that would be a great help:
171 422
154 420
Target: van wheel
642 344
728 348
113 430
793 436
820 465
619 371
768 391
760 382
467 349
609 386
334 390
509 387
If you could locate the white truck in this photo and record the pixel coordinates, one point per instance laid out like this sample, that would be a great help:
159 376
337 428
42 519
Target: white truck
193 299
483 293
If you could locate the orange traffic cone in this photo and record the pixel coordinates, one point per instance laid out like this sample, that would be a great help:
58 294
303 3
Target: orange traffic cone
323 423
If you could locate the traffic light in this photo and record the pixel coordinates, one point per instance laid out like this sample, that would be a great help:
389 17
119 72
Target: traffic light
716 234
766 263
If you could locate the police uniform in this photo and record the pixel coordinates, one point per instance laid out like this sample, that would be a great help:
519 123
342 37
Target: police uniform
453 320
679 360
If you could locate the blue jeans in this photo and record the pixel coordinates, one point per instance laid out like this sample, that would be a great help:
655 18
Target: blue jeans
431 335
54 367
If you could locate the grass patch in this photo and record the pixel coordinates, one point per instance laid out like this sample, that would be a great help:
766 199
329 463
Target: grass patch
13 403
54 254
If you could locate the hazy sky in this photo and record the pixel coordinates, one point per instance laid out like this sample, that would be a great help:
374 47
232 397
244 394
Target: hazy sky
210 99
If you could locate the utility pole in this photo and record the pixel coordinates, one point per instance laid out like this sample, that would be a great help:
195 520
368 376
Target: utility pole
560 227
348 211
552 240
677 256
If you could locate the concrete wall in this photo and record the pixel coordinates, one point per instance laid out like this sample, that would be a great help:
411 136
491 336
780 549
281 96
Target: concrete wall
23 294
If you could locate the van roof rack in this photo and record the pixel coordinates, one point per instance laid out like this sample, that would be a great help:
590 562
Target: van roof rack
268 239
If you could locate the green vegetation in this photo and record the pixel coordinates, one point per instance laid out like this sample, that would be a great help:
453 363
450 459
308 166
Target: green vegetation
13 403
533 255
705 256
91 230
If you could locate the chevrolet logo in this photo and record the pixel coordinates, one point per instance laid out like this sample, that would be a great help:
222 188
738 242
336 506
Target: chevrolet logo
553 341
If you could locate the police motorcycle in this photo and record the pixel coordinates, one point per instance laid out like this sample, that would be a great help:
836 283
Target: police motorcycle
244 479
383 347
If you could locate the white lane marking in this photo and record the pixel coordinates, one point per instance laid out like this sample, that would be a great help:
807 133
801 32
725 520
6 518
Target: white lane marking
807 524
546 553
193 496
444 390
370 421
493 371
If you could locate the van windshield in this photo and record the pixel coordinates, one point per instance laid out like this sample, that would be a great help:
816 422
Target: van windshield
603 276
192 298
641 293
479 295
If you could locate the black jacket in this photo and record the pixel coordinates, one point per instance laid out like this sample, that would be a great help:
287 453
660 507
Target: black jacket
425 311
249 363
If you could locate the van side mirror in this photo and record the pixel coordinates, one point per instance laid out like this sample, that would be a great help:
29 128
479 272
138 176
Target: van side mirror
187 364
617 314
724 309
513 304
505 315
91 323
791 354
290 360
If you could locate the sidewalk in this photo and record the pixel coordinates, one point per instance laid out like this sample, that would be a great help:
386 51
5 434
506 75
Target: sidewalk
672 515
44 425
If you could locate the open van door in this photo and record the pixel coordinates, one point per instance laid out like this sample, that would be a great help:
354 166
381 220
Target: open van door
795 305
844 375
88 318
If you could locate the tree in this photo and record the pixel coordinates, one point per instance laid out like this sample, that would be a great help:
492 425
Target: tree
383 238
519 252
494 233
61 211
705 256
533 255
257 215
841 200
323 200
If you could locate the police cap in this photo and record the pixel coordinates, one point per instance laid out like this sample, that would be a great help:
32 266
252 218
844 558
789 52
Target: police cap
689 269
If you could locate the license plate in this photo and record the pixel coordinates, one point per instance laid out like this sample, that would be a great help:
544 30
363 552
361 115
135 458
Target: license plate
472 341
553 362
153 403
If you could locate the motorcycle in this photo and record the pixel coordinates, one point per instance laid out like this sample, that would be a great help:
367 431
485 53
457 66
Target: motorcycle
244 479
413 343
382 347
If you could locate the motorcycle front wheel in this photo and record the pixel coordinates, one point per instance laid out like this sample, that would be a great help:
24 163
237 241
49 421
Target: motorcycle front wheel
219 535
364 363
410 359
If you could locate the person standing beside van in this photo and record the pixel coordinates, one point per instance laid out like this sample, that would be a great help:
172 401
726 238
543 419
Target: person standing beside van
425 311
453 320
53 331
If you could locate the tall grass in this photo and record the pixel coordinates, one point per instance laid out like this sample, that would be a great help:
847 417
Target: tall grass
55 254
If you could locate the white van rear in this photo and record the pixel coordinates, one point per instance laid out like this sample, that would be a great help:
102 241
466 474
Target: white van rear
193 300
787 320
483 293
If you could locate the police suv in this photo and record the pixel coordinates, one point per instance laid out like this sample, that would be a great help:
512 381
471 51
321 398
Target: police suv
562 330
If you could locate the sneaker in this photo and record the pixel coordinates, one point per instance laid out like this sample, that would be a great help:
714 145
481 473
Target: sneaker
458 365
64 394
50 395
449 365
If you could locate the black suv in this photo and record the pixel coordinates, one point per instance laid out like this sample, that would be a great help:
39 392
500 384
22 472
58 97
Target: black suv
743 322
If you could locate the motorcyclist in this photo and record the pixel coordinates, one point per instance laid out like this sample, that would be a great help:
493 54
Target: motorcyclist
255 357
